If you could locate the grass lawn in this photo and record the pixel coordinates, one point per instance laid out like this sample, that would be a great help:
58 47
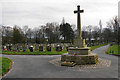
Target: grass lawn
95 47
115 50
5 65
52 52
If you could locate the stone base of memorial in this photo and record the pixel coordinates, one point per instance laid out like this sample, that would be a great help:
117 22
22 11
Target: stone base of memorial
79 54
79 51
80 59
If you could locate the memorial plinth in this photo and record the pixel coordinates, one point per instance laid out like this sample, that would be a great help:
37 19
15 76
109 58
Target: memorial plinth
79 47
79 54
79 51
80 59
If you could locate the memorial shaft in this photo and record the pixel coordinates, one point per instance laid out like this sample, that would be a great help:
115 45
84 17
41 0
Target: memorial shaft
79 20
79 23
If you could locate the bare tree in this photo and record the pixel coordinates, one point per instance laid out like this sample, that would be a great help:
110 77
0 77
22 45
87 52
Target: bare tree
29 35
96 32
89 29
114 26
25 29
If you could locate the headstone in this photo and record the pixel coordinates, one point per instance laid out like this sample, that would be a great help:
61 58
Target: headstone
40 48
28 46
53 45
36 47
5 48
63 46
8 47
24 48
14 48
31 48
21 47
48 48
67 48
18 48
58 48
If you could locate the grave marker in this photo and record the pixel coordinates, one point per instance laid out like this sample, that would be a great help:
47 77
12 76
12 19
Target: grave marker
40 48
31 48
48 48
58 48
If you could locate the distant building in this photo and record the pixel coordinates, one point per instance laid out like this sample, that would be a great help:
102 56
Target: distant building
92 39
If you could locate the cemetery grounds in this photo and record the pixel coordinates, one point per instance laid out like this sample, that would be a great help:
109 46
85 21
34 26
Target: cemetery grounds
6 63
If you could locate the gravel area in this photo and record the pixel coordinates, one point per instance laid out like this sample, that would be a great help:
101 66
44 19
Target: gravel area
102 63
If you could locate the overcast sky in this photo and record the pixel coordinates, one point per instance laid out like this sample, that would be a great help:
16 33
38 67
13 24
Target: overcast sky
119 11
38 12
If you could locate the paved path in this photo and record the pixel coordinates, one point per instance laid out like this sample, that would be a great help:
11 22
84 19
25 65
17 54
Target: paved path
32 66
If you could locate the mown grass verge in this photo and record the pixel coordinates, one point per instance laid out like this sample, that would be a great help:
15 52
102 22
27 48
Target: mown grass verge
5 65
114 50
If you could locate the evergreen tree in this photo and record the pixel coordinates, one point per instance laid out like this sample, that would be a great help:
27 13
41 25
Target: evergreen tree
17 36
66 31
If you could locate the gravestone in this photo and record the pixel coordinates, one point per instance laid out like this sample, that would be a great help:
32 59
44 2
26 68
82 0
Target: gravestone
67 48
5 48
18 48
40 48
8 47
14 48
48 48
36 47
21 47
58 48
79 54
27 46
24 48
31 48
53 45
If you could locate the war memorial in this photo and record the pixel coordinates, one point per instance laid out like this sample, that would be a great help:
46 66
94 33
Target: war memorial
79 54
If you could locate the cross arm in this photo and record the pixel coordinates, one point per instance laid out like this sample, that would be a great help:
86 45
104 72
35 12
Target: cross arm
75 11
81 11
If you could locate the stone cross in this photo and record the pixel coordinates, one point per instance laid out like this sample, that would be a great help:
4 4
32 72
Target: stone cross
78 20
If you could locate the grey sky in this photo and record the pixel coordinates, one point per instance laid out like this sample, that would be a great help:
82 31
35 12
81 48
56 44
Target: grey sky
119 11
38 12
